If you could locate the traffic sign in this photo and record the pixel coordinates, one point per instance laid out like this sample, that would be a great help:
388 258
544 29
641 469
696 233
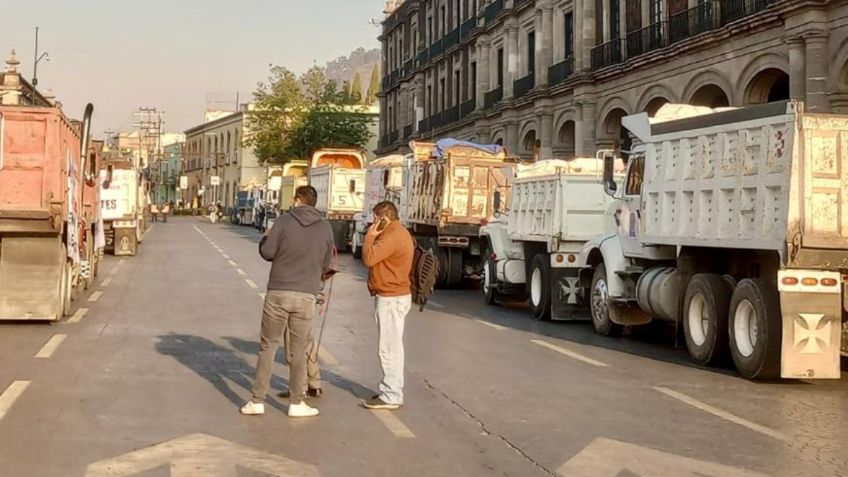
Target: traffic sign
215 181
183 182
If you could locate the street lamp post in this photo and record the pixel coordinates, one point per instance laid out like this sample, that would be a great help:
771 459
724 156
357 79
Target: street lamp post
38 58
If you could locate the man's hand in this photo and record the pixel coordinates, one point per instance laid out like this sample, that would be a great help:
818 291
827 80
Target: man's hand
378 227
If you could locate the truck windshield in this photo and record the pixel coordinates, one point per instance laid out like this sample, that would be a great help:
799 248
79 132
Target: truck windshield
635 176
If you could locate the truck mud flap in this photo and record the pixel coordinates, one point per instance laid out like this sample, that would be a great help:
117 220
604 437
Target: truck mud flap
124 242
30 272
568 297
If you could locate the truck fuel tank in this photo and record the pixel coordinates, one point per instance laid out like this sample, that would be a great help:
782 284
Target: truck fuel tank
658 292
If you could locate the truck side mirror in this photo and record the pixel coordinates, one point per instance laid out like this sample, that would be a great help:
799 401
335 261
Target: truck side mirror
610 186
496 199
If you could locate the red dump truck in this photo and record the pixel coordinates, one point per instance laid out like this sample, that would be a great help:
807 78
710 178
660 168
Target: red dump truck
49 210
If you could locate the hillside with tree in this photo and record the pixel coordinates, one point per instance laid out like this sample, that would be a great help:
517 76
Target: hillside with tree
362 64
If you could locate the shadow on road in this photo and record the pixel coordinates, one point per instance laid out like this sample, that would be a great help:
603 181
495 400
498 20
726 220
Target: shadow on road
337 380
216 364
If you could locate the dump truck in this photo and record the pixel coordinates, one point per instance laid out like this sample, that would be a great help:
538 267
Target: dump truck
386 178
339 177
732 226
48 221
279 193
531 251
121 205
455 187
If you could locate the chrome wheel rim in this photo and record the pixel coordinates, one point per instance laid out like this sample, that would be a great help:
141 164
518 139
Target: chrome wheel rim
699 324
487 277
745 328
536 287
600 302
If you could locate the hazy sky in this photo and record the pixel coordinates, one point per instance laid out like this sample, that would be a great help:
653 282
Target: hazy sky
175 55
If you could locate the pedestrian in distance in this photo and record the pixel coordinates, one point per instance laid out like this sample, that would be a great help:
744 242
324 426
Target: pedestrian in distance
388 252
300 247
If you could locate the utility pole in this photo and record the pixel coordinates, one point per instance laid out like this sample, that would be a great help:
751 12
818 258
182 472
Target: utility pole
37 58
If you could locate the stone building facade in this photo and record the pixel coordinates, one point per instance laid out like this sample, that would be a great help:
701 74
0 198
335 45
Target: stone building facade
552 78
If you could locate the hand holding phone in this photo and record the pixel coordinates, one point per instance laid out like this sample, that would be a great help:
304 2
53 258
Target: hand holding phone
383 223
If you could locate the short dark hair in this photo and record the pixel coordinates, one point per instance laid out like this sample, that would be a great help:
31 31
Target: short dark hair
387 208
307 195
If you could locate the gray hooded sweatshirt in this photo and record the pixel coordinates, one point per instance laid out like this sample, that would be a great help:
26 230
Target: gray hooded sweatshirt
300 245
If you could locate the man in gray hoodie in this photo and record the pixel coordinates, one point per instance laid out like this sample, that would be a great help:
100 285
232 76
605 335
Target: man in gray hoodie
300 245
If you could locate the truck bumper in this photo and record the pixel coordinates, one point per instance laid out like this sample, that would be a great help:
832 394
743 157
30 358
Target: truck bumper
812 325
121 241
30 278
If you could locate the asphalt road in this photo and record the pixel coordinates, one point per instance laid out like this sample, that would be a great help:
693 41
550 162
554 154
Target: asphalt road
147 377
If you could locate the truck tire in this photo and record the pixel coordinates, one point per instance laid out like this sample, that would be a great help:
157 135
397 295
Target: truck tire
340 230
599 304
705 308
539 288
490 279
454 267
755 328
66 286
356 246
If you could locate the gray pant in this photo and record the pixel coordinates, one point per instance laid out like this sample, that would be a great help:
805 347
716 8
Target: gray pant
391 315
284 313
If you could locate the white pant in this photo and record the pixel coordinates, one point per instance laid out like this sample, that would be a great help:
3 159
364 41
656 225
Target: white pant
390 315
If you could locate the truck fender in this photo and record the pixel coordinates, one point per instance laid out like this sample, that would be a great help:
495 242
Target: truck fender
612 256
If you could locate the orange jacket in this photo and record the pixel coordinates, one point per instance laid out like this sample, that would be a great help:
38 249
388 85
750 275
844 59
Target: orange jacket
388 257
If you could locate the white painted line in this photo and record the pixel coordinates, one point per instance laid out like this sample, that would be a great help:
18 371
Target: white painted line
722 414
106 283
225 256
569 353
262 295
251 283
199 231
147 231
326 357
78 315
241 272
51 346
232 263
434 304
394 424
492 325
113 271
10 395
95 296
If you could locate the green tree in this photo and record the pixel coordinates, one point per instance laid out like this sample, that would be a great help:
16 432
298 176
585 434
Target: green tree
356 93
292 117
374 86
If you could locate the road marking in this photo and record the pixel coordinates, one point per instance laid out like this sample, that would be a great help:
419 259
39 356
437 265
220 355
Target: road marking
262 295
394 424
569 353
199 231
10 395
722 414
146 232
113 271
434 304
95 296
251 283
241 272
225 256
78 315
106 283
51 346
492 325
327 357
232 263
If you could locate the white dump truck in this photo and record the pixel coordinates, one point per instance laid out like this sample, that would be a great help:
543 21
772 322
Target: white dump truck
338 175
556 207
279 193
121 202
733 226
386 178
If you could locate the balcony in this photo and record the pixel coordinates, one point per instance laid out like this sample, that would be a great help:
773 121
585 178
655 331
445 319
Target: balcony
691 22
560 71
408 130
492 97
732 10
385 84
424 125
408 68
645 40
492 10
516 4
393 137
437 48
607 54
468 27
450 116
467 108
451 39
522 86
422 58
395 78
384 140
435 121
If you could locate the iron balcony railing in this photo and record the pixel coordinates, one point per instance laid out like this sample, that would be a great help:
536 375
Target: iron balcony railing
384 140
424 125
467 108
408 130
492 10
523 85
437 48
516 4
468 27
422 58
451 39
689 23
450 116
385 84
732 10
408 68
645 40
436 121
561 71
395 78
607 54
492 97
393 137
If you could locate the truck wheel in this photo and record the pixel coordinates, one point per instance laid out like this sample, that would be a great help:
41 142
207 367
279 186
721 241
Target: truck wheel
357 247
599 304
539 287
67 287
705 308
490 279
755 329
340 235
443 258
454 267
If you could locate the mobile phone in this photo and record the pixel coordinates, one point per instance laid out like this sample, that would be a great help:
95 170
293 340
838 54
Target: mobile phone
383 223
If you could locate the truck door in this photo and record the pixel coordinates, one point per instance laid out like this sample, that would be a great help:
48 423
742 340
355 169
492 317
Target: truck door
628 212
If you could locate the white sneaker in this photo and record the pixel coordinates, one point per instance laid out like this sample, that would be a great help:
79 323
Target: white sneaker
302 410
253 408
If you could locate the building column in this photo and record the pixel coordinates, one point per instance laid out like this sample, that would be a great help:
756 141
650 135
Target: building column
588 24
797 68
546 137
511 135
384 117
483 72
420 94
584 140
512 56
578 34
483 135
547 51
816 72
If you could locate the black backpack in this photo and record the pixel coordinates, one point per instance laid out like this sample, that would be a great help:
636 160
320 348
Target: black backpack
425 271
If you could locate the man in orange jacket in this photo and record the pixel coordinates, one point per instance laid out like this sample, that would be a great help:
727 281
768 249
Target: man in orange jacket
388 251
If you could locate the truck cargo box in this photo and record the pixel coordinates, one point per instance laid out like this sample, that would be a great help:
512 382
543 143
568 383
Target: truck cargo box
119 196
340 190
